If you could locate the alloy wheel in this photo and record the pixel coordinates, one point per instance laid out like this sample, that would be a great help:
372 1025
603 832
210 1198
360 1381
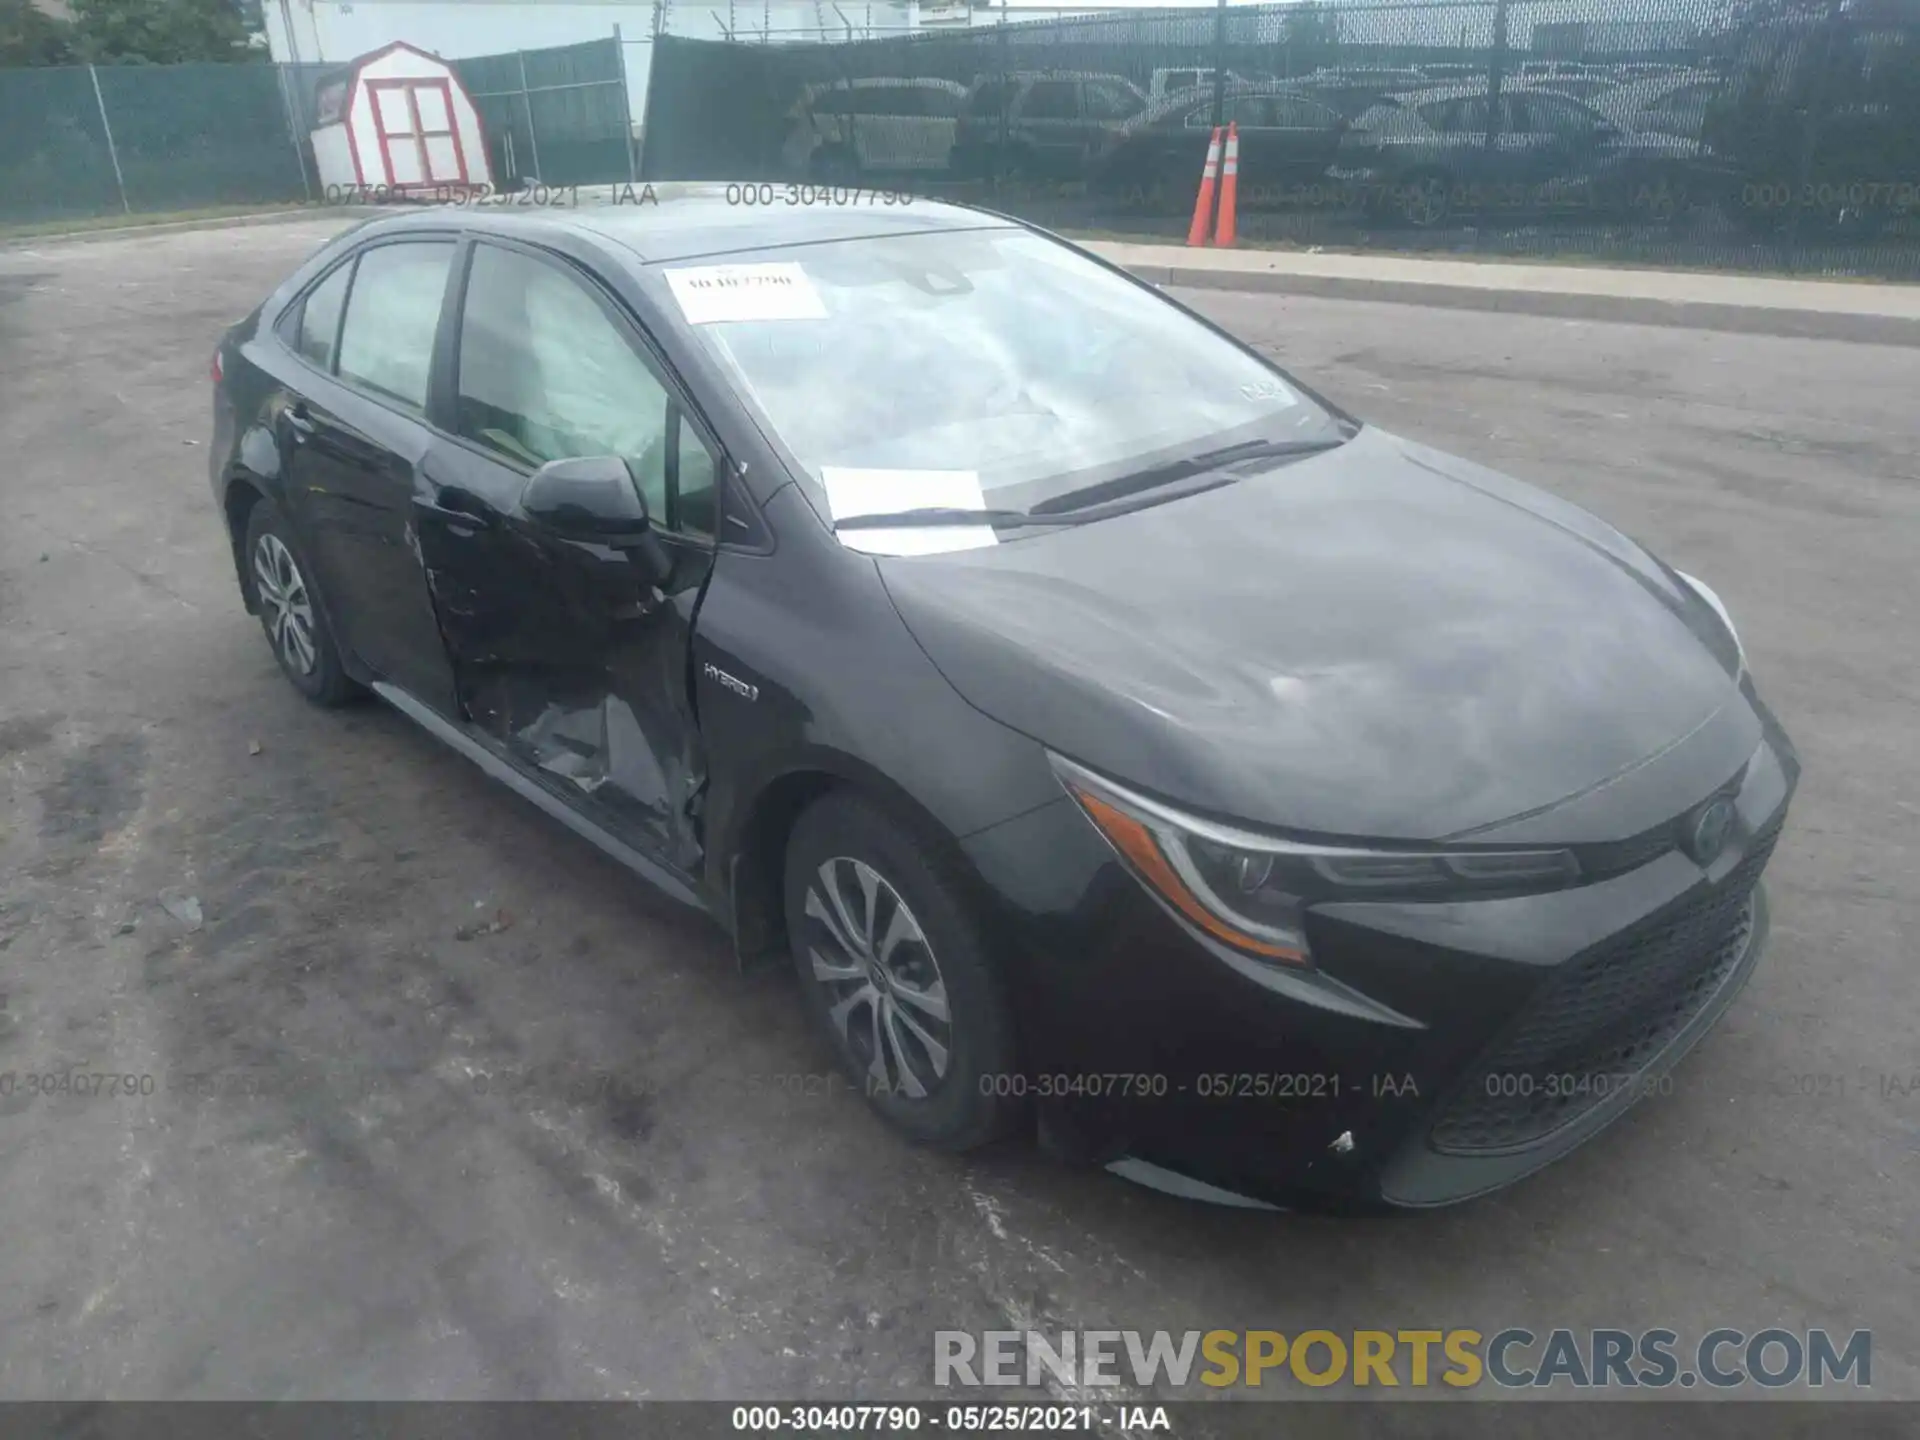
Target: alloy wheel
886 998
286 605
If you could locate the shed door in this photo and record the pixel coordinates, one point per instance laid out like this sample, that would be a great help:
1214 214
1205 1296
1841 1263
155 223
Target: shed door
414 119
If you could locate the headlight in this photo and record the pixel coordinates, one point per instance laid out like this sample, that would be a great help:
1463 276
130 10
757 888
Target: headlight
1252 891
1705 592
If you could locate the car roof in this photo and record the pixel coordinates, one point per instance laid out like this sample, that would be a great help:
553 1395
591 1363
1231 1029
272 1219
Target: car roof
682 220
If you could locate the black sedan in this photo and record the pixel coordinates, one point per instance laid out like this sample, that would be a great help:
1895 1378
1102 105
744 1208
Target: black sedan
1119 737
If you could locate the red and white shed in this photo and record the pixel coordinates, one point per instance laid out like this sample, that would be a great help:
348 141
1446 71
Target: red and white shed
397 120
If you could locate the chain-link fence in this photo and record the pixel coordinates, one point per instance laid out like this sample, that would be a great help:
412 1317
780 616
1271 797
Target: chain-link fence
560 116
1767 134
82 141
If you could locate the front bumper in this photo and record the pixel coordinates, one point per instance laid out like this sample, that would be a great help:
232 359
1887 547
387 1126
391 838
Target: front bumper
1441 1051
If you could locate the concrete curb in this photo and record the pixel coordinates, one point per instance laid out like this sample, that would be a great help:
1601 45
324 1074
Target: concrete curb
177 227
1569 305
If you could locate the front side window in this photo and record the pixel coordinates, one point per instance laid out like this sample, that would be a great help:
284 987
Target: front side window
547 374
997 353
393 312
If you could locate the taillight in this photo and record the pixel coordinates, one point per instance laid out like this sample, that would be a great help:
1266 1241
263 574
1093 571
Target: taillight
217 373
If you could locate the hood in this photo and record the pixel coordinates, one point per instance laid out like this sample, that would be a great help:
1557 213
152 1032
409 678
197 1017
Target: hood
1381 641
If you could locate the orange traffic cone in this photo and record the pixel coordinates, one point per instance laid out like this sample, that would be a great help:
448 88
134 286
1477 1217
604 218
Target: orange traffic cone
1203 204
1229 187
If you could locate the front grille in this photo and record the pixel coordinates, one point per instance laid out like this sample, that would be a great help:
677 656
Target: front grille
1603 1020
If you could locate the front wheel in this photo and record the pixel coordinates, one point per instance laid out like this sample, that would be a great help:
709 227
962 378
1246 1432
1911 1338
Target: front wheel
894 969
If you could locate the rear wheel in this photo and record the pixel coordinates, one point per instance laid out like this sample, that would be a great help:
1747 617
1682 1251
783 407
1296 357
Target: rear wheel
289 608
893 968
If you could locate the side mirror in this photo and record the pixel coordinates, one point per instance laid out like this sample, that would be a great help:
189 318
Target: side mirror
592 498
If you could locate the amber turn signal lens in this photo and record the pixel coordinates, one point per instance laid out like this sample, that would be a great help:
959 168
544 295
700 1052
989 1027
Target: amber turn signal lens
1136 843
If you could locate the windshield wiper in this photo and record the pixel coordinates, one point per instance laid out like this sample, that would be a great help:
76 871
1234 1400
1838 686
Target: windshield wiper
1110 497
945 515
1182 469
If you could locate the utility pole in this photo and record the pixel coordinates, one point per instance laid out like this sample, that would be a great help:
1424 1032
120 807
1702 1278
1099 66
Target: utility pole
1220 64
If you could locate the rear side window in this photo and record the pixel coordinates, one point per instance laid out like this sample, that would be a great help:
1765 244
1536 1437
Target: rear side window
318 330
890 100
386 344
1051 100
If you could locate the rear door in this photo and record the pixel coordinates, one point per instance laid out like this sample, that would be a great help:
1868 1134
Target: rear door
564 657
352 434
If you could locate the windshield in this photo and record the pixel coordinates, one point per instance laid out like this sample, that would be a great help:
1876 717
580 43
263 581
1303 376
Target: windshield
993 354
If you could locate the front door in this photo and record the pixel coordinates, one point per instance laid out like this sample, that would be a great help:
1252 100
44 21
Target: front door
352 437
565 658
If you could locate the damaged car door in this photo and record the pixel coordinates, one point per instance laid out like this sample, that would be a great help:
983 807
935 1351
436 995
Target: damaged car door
570 656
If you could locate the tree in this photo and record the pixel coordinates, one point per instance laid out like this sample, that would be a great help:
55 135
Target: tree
29 36
159 32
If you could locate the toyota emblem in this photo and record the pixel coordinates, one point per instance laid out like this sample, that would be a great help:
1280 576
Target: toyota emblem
1707 836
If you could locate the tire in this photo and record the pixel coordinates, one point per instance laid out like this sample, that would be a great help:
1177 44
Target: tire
297 630
946 1104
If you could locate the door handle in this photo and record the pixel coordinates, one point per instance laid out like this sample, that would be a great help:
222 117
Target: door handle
298 420
464 505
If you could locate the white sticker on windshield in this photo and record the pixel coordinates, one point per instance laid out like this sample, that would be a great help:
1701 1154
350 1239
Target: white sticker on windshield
852 492
710 294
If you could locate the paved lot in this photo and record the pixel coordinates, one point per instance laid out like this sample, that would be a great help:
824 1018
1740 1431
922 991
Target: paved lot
377 1227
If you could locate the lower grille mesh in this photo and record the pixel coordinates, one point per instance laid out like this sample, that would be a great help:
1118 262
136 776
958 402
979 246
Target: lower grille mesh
1600 1023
